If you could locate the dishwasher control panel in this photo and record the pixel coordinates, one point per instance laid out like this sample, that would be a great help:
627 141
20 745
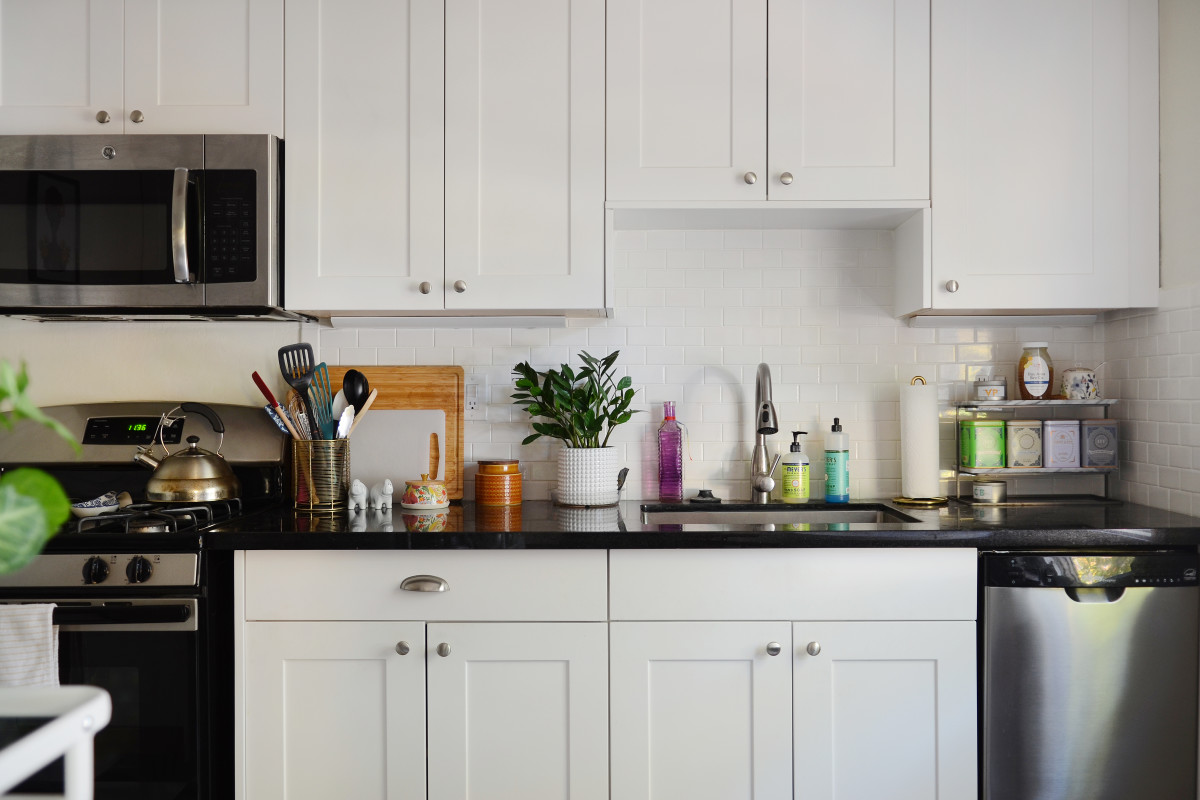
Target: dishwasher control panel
1085 570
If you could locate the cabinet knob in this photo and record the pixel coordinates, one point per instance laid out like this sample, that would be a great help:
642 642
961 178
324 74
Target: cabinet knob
460 286
103 117
136 116
402 648
750 177
426 287
951 286
443 649
424 583
814 648
786 179
773 648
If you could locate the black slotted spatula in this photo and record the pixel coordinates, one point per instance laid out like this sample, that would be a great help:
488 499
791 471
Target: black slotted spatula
298 367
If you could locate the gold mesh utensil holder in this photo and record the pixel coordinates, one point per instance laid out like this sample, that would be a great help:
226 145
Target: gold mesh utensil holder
320 474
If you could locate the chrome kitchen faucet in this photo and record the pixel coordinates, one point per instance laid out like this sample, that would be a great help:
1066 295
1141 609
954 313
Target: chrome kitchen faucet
766 422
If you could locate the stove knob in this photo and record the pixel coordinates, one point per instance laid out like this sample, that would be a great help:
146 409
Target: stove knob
95 570
139 570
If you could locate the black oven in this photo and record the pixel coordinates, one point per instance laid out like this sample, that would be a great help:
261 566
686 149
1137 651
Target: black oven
146 645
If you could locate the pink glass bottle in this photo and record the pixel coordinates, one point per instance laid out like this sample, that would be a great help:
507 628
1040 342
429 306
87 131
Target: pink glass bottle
670 455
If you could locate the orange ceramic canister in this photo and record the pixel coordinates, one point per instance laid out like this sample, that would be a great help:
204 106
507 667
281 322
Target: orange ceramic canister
498 483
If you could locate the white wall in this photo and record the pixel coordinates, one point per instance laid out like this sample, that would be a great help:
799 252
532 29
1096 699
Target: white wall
1179 75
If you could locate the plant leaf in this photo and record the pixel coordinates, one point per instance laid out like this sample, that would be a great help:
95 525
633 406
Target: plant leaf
32 507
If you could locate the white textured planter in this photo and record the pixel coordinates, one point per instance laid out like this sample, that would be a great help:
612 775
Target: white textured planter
587 476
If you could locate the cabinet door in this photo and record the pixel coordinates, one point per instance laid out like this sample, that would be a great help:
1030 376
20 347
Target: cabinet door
700 711
885 709
1045 156
687 99
524 154
60 66
848 100
363 185
211 67
518 710
332 709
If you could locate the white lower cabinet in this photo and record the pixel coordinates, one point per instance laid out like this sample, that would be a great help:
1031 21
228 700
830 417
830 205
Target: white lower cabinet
408 710
875 699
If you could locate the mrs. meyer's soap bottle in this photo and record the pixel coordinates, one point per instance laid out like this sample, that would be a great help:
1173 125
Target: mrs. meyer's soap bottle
794 471
837 464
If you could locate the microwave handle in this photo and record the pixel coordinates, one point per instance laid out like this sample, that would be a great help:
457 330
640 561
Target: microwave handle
179 226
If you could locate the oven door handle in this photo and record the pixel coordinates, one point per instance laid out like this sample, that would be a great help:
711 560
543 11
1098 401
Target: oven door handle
121 615
179 226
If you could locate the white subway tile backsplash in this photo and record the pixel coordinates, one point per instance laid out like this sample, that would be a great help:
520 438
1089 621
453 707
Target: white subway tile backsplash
696 310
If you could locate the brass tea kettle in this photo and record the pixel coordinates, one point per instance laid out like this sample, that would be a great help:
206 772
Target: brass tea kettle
191 475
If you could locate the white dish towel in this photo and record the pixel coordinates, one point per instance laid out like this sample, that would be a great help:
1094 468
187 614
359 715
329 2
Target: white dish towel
28 645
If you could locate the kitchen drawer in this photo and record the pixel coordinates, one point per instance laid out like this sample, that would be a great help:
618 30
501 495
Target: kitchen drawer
498 585
803 584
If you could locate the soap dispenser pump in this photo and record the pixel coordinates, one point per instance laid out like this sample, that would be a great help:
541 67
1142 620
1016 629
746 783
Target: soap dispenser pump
795 471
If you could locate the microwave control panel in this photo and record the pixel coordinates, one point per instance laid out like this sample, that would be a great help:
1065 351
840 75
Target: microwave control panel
230 227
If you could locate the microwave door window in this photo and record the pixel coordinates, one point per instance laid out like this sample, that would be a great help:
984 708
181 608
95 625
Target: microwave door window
88 227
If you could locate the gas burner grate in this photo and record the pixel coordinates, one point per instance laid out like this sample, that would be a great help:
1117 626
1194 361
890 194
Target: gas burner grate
155 518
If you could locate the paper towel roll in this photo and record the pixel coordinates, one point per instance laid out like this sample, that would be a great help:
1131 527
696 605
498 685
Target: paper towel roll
919 467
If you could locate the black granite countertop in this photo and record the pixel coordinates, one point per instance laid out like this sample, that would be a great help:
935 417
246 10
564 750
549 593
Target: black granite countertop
542 525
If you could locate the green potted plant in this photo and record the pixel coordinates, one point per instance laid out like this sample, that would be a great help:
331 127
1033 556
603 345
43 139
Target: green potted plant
581 408
32 503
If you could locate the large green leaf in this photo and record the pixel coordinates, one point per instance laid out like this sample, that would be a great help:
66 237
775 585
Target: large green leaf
32 507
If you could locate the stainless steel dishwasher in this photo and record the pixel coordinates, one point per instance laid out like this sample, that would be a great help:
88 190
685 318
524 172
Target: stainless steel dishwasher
1090 676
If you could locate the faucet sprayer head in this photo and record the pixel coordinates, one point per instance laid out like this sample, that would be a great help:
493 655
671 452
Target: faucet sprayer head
766 421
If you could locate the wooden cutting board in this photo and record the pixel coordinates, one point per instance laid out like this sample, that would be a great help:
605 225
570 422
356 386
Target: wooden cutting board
418 389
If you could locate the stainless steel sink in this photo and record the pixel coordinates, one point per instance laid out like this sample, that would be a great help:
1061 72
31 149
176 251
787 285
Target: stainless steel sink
780 514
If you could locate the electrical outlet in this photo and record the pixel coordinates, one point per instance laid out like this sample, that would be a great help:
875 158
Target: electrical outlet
475 399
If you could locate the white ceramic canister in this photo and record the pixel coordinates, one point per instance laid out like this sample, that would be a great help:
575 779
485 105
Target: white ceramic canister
1023 438
1060 443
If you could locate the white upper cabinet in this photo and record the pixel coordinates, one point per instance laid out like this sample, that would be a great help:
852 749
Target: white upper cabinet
141 66
1045 157
445 157
524 155
744 100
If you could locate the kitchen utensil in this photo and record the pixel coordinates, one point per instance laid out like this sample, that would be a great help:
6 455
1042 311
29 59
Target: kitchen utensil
295 408
297 365
359 416
435 455
278 420
283 417
97 505
345 422
357 389
320 395
192 475
424 388
340 404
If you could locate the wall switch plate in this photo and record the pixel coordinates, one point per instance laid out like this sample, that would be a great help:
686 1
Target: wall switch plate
474 398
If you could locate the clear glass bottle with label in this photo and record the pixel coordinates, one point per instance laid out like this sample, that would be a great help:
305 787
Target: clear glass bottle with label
1035 372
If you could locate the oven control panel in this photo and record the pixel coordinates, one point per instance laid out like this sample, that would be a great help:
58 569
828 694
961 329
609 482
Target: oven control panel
130 430
145 571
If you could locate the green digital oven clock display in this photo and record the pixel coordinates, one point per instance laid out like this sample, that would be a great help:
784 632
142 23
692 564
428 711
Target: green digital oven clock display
129 430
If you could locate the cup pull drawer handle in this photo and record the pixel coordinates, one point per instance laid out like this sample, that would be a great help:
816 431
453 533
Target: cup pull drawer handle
424 583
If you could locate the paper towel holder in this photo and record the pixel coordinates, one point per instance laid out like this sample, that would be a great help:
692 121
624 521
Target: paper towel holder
923 502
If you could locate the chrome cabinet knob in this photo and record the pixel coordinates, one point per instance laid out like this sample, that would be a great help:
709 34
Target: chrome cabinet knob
750 177
402 648
774 649
136 116
786 179
103 117
443 649
460 286
814 648
951 286
426 287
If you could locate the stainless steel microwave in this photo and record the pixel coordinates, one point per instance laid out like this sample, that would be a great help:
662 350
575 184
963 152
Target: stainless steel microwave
140 227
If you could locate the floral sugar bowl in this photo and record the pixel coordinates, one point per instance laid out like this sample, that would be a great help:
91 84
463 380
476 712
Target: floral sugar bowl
425 493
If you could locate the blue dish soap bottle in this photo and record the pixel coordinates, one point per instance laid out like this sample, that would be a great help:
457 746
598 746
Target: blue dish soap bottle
837 464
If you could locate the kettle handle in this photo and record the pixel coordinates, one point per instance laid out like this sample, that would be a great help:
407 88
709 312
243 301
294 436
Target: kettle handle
207 413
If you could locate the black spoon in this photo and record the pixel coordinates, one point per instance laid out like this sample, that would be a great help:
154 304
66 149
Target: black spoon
356 389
